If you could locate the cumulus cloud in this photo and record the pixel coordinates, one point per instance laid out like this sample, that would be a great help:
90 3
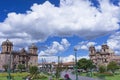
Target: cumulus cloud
114 42
72 17
56 47
84 45
71 58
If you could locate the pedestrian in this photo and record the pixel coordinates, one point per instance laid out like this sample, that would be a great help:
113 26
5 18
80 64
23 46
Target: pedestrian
67 77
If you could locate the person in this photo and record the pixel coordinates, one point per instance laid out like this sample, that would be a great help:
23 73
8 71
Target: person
67 77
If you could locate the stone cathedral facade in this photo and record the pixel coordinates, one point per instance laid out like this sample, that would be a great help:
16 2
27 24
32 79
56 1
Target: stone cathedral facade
103 56
8 56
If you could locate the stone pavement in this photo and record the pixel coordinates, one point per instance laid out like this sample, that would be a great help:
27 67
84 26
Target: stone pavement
73 77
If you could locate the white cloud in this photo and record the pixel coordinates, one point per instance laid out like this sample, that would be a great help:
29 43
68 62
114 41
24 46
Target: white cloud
73 17
84 45
114 42
56 47
71 58
98 47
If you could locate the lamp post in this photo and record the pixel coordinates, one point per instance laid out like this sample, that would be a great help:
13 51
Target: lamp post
76 71
9 67
58 68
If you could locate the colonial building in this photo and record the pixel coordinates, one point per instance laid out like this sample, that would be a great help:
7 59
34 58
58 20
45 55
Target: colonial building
51 67
103 56
8 56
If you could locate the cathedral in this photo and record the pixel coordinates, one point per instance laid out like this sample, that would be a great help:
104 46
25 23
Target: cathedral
103 56
8 56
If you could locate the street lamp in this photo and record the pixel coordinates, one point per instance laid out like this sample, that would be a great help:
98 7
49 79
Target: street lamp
9 67
76 71
58 68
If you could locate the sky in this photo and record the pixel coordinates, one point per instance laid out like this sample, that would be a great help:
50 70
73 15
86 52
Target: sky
59 26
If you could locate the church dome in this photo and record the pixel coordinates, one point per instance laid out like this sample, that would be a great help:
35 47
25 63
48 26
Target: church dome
7 42
33 46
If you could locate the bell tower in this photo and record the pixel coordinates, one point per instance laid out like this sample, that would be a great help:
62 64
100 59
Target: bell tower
92 49
105 48
7 46
33 55
33 49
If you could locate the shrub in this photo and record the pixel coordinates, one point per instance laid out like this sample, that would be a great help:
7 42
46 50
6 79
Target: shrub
42 76
5 66
21 67
20 74
112 66
61 79
103 74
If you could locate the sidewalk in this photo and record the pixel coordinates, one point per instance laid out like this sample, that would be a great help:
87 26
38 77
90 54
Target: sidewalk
73 77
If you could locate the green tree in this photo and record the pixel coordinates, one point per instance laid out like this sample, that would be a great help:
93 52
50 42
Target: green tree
112 66
21 67
5 66
33 69
102 69
85 64
34 72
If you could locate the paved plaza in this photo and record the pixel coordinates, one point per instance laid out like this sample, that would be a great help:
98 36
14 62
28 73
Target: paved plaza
73 77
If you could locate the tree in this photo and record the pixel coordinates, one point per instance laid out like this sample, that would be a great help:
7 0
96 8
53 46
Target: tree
5 66
34 72
112 66
102 69
85 64
21 67
33 69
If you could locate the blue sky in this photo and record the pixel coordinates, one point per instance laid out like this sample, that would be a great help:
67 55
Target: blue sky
61 25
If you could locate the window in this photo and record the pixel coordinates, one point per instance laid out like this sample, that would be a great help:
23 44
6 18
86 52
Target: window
7 48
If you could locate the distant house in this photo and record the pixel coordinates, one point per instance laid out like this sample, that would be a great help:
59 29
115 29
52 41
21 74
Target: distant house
103 56
8 56
52 66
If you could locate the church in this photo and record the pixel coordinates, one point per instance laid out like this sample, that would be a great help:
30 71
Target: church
8 56
103 56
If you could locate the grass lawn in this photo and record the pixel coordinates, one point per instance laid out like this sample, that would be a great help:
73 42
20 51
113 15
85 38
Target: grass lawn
17 76
3 78
115 77
23 74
